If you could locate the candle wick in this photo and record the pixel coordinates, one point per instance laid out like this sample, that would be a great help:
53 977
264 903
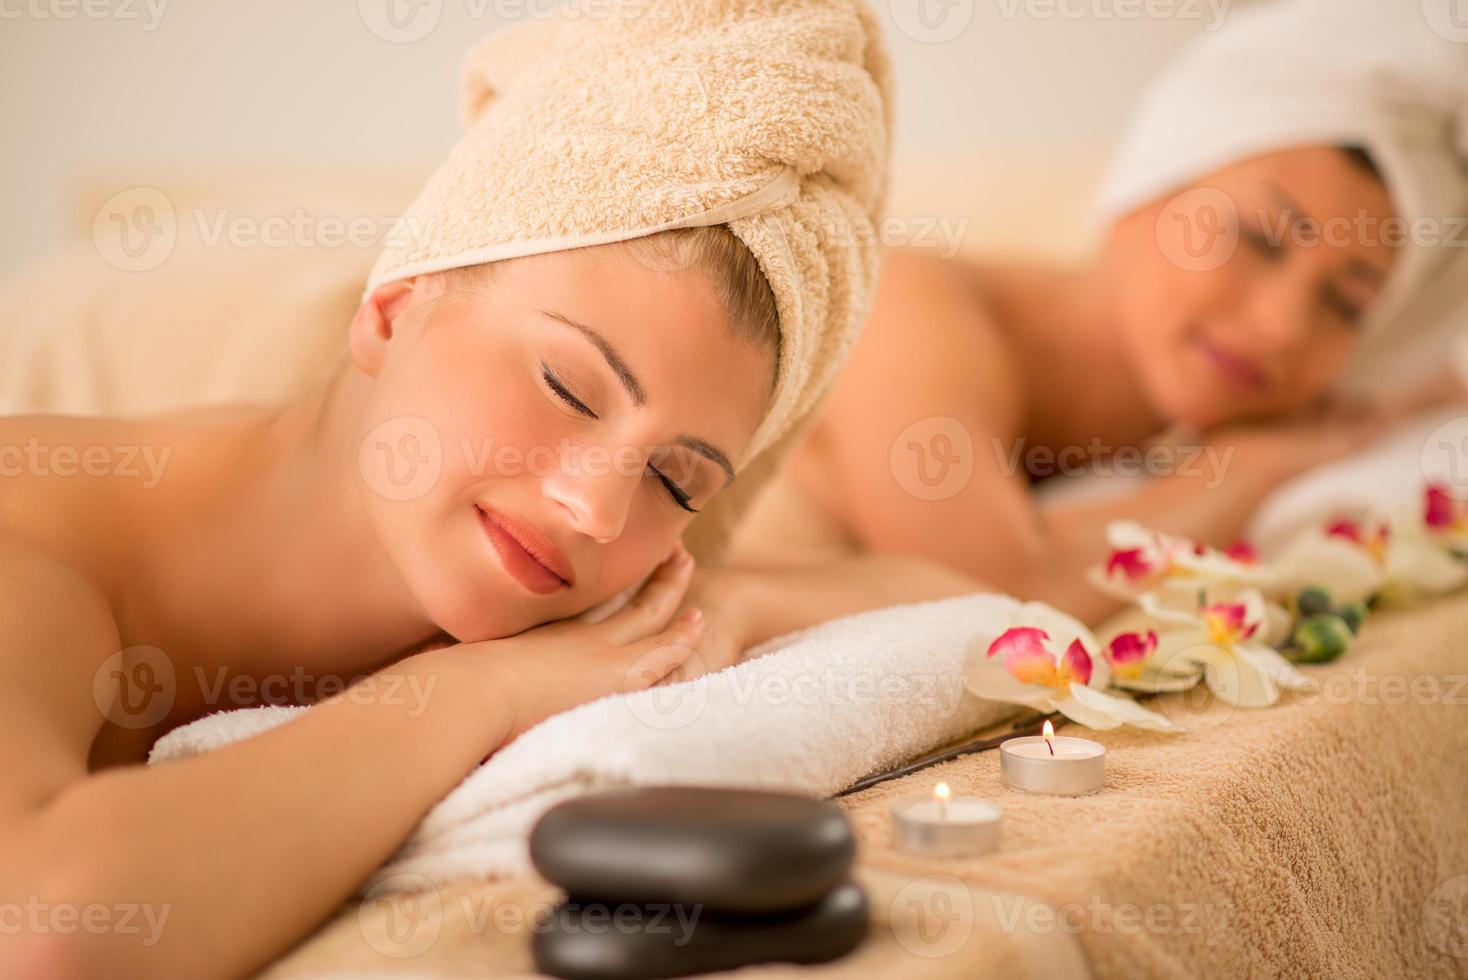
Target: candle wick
1050 745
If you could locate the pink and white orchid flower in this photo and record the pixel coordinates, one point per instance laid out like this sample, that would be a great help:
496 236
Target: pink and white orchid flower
1135 665
1410 557
1143 560
1048 661
1344 557
1445 520
1225 640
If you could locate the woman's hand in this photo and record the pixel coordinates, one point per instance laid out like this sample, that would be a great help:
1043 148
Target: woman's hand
1281 450
721 594
553 668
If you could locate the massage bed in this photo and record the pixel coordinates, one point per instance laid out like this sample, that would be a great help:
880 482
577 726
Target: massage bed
1326 836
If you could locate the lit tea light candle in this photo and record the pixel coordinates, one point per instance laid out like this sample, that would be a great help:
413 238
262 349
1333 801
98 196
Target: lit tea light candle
1058 766
946 825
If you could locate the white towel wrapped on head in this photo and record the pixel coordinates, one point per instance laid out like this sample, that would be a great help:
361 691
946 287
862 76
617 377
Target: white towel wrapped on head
1378 74
808 713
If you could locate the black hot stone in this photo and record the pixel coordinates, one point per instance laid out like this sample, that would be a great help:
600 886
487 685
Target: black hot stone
725 850
582 940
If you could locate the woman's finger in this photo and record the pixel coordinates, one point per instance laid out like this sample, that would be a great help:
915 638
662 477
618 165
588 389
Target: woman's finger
650 661
651 609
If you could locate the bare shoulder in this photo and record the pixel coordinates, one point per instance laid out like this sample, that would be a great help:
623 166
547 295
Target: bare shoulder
57 627
56 632
931 345
69 484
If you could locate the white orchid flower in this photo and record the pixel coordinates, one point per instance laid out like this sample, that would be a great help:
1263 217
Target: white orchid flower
1428 558
1186 573
1225 639
1413 556
1044 661
1345 558
1143 560
1135 665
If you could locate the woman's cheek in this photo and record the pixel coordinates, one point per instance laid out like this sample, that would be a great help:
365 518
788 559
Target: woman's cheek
1324 363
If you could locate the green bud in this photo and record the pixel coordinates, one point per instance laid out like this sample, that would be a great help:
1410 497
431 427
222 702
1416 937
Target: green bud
1312 601
1321 638
1354 614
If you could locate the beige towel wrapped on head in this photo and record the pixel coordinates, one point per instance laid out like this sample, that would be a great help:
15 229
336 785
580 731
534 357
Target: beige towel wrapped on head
770 116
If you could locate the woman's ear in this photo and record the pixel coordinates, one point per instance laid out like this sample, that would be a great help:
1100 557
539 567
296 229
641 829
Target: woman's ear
374 324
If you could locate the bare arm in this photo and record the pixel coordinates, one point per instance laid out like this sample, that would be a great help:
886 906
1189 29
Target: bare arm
238 853
748 604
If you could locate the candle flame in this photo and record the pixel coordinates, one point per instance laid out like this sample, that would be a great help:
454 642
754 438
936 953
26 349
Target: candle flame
941 792
1049 735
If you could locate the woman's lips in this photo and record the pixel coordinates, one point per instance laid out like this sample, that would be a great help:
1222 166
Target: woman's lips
1241 371
525 553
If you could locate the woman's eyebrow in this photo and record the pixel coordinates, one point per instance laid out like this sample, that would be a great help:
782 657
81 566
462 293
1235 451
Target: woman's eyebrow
709 452
636 392
619 367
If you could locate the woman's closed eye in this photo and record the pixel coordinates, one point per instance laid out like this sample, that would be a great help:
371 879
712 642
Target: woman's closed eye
1341 305
558 388
1259 242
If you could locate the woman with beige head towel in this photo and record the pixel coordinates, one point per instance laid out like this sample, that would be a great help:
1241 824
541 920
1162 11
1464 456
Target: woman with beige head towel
620 294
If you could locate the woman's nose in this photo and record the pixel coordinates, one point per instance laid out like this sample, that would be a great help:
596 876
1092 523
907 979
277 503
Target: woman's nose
597 500
1281 314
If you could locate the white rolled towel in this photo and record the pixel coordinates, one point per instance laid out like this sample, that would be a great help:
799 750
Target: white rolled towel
808 713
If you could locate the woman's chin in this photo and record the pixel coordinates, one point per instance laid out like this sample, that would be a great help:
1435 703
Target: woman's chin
476 615
1195 403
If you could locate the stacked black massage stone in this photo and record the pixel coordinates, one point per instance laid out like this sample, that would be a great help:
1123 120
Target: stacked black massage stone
667 881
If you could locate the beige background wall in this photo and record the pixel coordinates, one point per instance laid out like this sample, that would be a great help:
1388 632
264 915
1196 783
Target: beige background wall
993 94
